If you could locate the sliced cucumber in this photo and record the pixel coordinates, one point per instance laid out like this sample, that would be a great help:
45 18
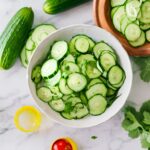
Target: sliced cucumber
23 58
30 45
82 45
91 70
59 50
115 75
54 80
76 82
107 60
66 97
124 22
145 11
64 87
57 105
73 100
44 94
68 68
41 32
132 9
97 105
69 58
79 111
28 55
99 47
115 3
119 14
148 35
66 115
140 41
93 82
113 11
49 68
132 32
98 88
145 26
84 58
56 92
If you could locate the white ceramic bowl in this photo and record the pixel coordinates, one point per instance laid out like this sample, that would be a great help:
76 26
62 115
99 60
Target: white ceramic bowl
97 34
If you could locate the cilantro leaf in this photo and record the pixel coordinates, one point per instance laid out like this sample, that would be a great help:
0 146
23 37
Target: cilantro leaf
135 133
145 139
130 121
146 119
93 137
144 65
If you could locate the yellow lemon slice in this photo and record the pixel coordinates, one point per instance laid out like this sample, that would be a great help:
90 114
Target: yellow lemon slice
73 144
27 119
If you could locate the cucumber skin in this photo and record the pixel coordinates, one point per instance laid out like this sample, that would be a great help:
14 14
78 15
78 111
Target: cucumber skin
56 6
14 37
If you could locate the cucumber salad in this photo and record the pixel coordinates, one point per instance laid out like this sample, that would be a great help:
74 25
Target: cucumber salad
79 77
132 19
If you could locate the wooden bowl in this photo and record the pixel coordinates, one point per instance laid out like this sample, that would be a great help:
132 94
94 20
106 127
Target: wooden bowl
101 11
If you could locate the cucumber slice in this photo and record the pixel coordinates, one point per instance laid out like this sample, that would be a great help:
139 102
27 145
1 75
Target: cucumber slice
30 45
64 88
84 58
76 82
41 32
140 41
23 58
73 100
79 111
59 50
28 55
145 26
49 68
125 21
107 60
56 92
66 115
115 3
91 70
132 32
119 14
113 11
93 82
97 105
68 68
99 47
115 75
145 11
66 97
69 58
119 84
132 9
44 94
96 89
148 35
82 45
57 105
54 80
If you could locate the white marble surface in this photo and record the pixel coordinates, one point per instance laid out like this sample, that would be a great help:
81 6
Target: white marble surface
14 94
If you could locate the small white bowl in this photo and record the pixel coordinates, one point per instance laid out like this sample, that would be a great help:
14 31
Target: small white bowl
96 34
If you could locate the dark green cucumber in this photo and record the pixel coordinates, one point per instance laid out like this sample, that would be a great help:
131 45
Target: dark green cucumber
14 37
56 6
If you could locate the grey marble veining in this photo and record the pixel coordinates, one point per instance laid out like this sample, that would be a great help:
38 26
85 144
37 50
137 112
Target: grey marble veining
14 93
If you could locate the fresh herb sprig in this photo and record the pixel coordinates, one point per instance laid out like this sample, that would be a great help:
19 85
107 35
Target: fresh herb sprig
137 123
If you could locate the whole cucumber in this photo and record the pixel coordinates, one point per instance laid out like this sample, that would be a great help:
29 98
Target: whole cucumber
14 37
56 6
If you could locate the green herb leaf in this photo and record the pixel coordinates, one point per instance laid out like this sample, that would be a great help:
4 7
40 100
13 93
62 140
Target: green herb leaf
144 65
145 139
146 119
93 137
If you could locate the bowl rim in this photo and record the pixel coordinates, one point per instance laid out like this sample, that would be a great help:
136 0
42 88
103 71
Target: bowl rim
88 125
